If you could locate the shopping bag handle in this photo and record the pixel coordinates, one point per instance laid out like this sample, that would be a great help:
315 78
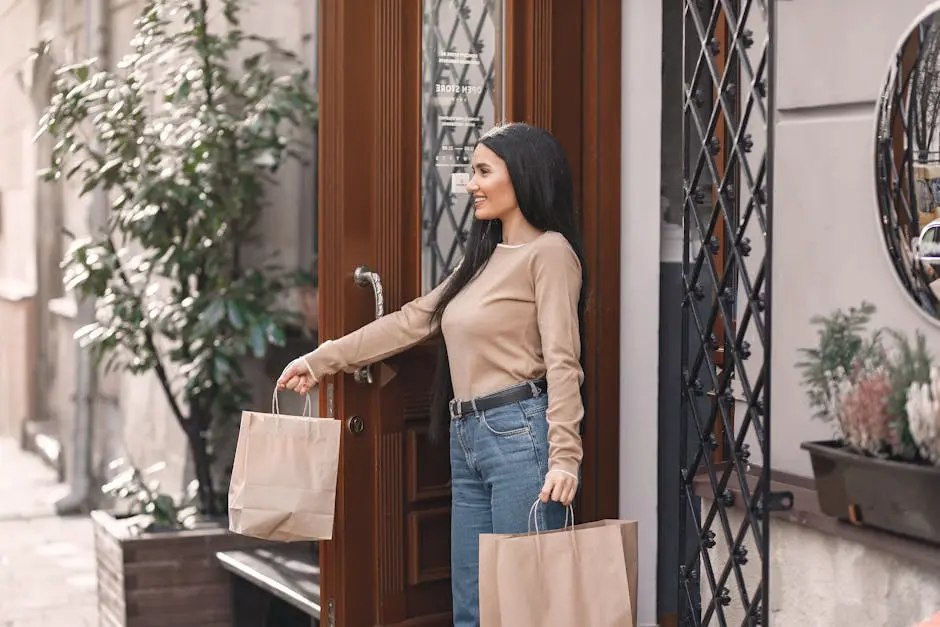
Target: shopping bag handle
308 405
569 511
308 402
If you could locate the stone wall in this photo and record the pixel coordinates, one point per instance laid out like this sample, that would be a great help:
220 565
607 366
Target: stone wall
819 580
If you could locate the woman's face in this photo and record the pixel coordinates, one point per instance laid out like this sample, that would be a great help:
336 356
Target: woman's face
491 188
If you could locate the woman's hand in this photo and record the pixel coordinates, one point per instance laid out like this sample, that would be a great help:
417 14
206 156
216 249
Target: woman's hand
559 486
297 377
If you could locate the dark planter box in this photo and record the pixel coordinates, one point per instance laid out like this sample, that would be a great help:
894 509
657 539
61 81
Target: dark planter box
163 578
872 492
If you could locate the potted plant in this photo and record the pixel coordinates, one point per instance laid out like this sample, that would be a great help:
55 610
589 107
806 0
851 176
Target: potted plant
183 140
882 394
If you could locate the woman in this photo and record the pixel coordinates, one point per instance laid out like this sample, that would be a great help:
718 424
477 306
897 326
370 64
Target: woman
510 368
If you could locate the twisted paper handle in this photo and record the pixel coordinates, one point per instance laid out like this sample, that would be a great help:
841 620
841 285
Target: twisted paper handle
569 511
308 402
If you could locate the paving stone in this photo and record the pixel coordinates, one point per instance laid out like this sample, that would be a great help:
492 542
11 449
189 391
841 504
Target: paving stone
47 562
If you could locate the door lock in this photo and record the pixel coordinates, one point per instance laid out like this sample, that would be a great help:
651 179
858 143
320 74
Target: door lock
355 425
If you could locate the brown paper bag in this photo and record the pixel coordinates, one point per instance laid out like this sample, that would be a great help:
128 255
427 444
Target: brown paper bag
584 575
283 484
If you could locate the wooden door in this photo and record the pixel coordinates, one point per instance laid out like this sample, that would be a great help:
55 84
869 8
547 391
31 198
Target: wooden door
388 563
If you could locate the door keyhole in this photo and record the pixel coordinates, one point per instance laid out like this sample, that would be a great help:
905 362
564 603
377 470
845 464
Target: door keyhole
355 425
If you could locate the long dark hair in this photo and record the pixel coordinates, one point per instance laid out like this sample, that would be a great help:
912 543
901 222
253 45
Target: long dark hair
541 178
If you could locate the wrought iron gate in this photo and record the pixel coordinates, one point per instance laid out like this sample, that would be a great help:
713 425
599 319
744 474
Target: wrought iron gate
728 112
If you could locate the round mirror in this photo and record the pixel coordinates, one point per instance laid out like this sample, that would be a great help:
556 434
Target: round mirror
907 161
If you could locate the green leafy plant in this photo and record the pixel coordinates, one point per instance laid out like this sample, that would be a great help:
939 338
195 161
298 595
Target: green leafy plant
841 347
147 507
183 139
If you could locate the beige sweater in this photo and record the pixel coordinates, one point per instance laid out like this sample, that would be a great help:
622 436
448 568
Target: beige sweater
516 320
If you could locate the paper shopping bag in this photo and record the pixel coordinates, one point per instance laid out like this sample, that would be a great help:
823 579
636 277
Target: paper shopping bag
584 575
283 484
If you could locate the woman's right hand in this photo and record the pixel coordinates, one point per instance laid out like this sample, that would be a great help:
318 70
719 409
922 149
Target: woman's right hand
297 377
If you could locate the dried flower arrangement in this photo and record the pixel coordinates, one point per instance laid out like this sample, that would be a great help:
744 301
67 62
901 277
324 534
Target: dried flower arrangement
884 398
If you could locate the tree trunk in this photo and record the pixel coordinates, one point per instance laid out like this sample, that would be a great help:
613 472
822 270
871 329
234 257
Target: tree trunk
198 447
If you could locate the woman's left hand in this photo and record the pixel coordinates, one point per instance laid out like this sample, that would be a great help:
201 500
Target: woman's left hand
560 487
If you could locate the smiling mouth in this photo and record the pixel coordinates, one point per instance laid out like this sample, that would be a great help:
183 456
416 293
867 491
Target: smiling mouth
478 200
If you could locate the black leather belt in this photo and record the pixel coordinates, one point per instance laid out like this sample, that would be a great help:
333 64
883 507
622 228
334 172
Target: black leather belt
514 394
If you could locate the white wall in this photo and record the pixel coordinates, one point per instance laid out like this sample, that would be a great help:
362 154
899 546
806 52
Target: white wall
875 588
17 220
639 287
828 248
17 178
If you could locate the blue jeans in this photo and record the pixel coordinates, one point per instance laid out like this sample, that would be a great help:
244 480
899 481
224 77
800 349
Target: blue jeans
498 461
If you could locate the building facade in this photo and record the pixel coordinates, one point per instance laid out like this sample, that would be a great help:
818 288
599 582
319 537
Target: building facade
607 77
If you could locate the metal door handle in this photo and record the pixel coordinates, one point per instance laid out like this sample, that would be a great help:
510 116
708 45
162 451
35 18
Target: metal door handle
366 278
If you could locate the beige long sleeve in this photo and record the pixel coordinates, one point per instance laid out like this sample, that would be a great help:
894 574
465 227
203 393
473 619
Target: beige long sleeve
557 290
382 338
517 320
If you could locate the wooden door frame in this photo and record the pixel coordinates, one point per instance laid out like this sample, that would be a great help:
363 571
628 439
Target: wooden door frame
369 155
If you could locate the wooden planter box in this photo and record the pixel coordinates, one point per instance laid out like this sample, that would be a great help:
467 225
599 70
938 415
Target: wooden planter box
884 494
164 578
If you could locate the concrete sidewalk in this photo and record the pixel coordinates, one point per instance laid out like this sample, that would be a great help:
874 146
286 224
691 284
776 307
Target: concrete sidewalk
47 562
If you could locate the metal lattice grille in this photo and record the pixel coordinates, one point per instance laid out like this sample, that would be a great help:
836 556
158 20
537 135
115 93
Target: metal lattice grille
725 424
460 102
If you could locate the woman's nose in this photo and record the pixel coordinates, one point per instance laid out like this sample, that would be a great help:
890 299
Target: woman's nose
471 186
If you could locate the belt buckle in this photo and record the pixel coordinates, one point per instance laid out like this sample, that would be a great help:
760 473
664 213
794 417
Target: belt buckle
453 406
536 388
